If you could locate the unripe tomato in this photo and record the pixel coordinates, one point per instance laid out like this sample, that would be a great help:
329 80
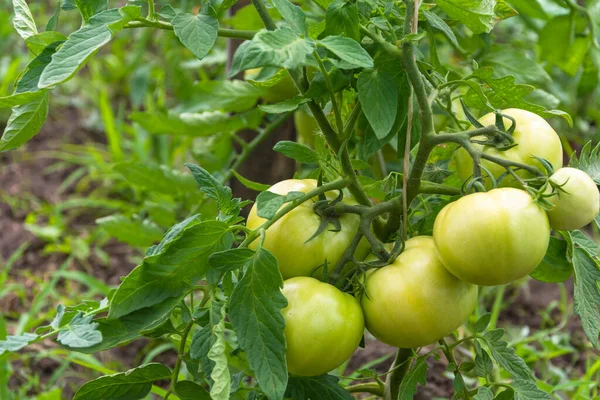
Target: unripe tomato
306 127
323 326
492 238
577 204
415 301
533 136
287 237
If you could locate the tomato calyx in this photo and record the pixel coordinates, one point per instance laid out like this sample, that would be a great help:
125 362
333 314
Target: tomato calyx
325 209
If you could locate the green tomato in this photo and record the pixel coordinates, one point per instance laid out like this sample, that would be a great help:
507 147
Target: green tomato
323 326
533 136
577 204
306 127
492 238
287 238
415 301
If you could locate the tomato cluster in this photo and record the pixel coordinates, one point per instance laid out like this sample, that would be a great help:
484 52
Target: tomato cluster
430 289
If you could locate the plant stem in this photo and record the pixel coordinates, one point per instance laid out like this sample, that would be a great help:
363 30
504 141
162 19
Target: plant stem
250 146
223 32
151 10
180 354
371 387
450 357
334 103
399 369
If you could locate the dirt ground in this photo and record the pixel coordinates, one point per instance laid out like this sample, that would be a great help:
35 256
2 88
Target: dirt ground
21 176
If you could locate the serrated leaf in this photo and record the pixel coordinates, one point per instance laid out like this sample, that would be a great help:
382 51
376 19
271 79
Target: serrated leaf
483 322
296 151
255 312
135 232
477 15
285 106
378 96
16 343
197 32
555 267
588 161
23 20
587 292
484 393
437 22
563 43
189 390
259 187
483 362
348 50
156 178
202 341
230 260
268 203
80 332
506 356
528 390
581 240
79 47
173 269
131 385
293 15
417 375
322 387
341 18
24 123
221 385
506 61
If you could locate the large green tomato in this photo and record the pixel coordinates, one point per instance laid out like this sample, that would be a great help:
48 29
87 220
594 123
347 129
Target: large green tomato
577 204
306 127
492 238
415 301
287 237
323 326
533 136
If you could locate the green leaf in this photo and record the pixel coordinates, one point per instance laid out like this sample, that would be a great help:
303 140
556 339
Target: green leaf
341 18
484 393
23 20
80 46
31 76
417 375
221 385
530 8
89 8
16 343
503 10
483 322
80 332
555 267
483 362
296 151
255 312
477 15
197 32
259 187
278 48
587 292
229 208
24 123
564 43
230 260
53 21
285 106
225 95
588 161
322 387
528 390
196 124
506 356
506 61
378 96
172 267
156 178
189 390
131 385
135 232
38 42
293 15
581 240
438 23
348 50
268 203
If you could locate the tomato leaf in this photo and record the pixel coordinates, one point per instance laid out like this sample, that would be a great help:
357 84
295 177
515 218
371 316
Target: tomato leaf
221 385
189 390
588 161
230 260
25 122
322 387
135 232
80 332
378 95
483 362
506 356
16 343
259 187
587 294
484 393
415 376
23 21
133 384
293 15
297 151
348 50
284 106
555 267
155 178
197 32
528 390
255 312
477 15
268 203
483 322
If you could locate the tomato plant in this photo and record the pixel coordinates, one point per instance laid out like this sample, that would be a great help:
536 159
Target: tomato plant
419 114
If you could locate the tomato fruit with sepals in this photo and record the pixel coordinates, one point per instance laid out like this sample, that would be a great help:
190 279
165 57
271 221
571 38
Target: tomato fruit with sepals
492 238
287 238
533 136
577 204
415 301
323 326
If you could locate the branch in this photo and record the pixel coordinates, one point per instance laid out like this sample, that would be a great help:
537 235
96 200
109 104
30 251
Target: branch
372 388
223 32
399 369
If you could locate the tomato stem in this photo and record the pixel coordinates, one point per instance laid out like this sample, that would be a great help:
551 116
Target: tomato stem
399 369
